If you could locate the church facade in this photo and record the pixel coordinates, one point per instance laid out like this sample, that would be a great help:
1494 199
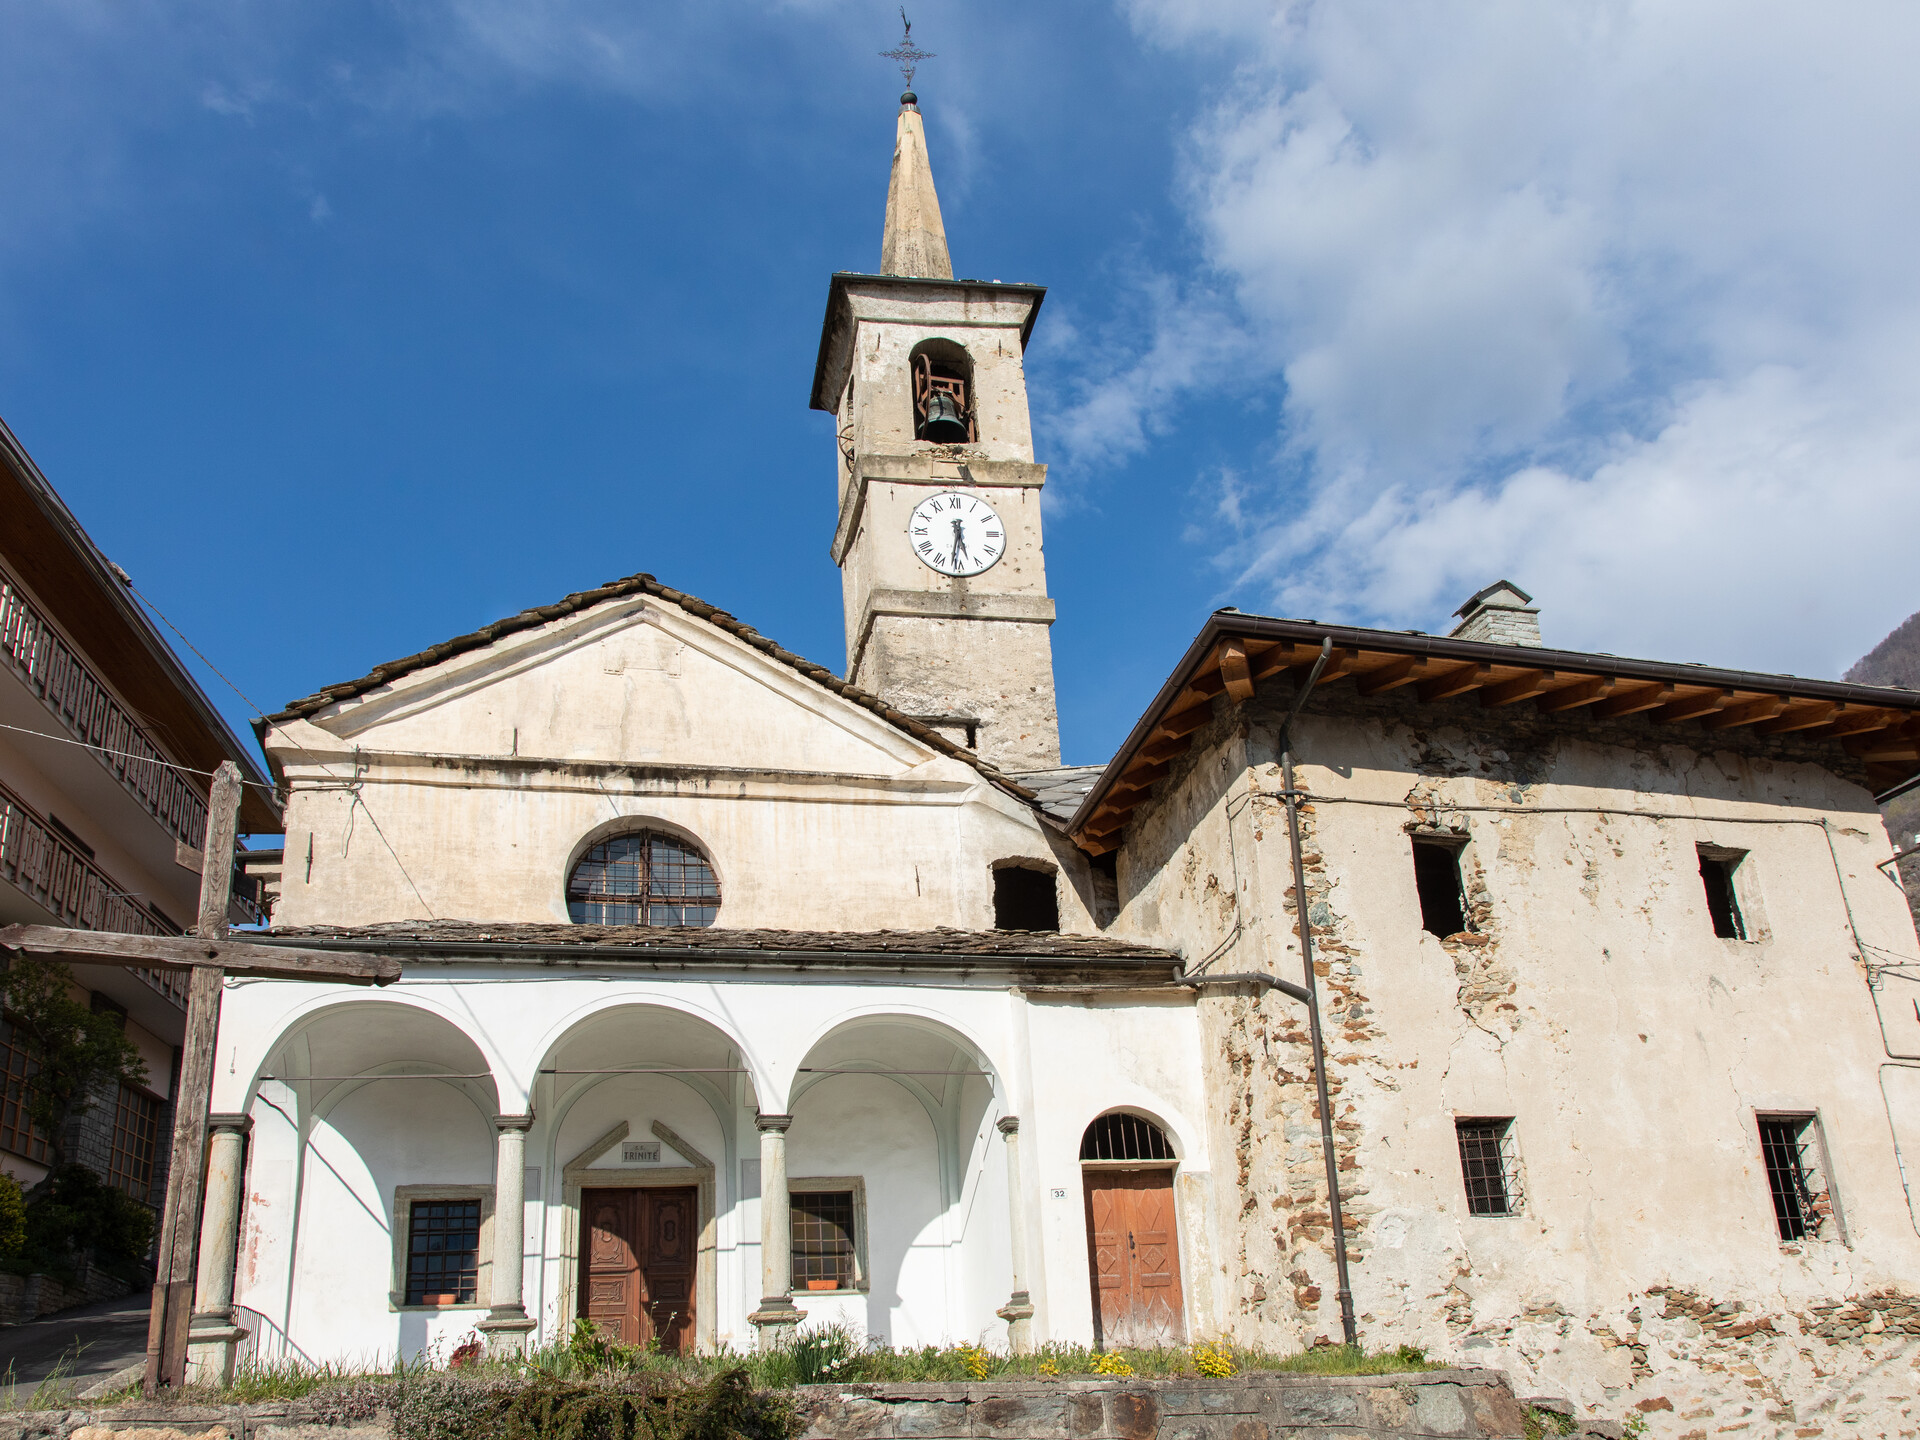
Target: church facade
739 996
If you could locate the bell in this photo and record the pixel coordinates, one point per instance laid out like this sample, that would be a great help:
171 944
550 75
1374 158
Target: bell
944 425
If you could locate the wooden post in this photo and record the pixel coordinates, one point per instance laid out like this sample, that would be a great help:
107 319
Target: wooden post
180 1219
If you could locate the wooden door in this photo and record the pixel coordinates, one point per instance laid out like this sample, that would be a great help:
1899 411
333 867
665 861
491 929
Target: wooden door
637 1265
1133 1250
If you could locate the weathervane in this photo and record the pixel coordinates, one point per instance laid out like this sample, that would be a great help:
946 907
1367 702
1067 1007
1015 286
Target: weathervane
908 55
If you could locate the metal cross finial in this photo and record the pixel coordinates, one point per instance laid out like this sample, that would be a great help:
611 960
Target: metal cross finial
907 55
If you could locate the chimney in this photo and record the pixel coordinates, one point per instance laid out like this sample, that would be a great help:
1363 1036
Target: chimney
1501 614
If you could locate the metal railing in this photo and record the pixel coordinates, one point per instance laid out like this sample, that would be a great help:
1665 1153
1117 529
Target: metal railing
43 865
35 651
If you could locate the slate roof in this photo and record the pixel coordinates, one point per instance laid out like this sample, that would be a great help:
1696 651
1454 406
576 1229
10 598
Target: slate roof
641 584
1059 792
447 938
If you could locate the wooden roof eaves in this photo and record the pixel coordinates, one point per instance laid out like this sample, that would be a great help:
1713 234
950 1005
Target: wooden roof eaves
1192 673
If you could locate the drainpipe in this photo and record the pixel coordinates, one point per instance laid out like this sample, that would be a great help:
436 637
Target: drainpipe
1291 796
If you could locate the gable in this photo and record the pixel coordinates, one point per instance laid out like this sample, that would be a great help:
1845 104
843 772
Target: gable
631 681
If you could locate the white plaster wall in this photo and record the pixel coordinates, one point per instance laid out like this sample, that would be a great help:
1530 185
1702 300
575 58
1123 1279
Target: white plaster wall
937 1200
382 1135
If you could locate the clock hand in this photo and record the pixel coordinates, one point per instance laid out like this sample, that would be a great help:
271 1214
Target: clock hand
959 542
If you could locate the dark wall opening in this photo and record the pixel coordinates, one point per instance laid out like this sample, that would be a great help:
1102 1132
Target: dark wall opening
1025 899
1436 874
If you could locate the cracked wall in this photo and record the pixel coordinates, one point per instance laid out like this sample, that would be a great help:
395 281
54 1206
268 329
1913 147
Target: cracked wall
1589 1000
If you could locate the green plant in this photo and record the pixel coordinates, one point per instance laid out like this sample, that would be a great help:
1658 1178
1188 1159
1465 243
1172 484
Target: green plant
74 1211
1215 1358
13 1217
823 1355
74 1054
1547 1424
1112 1363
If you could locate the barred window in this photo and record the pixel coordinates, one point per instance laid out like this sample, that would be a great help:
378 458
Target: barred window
1487 1165
136 1140
1793 1152
443 1252
1120 1136
16 1074
821 1222
644 878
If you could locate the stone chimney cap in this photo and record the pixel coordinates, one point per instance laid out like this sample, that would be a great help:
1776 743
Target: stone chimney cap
1486 596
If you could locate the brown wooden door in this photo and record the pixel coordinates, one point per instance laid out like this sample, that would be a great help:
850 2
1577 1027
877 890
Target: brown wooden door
1133 1250
637 1265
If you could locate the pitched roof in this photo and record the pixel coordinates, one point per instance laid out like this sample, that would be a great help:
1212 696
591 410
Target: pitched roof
589 944
1059 791
641 584
1876 726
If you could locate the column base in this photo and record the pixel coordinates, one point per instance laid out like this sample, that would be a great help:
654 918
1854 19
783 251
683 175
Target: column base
777 1319
1018 1313
506 1329
212 1343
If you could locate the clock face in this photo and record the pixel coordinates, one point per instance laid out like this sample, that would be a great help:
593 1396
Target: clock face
956 534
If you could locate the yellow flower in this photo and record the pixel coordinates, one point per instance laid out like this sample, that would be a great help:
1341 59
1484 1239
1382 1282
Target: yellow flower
1112 1363
1212 1358
1048 1368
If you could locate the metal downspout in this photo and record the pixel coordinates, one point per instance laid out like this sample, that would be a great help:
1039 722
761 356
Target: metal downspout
1292 798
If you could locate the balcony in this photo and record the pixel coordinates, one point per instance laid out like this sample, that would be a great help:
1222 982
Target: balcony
40 863
77 698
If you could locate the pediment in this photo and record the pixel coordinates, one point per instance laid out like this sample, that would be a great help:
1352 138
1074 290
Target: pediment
633 681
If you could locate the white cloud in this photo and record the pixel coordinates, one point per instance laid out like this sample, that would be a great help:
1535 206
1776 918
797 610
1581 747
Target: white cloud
1614 298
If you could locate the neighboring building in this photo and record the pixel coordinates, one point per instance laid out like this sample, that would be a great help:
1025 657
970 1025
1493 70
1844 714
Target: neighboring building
737 994
101 813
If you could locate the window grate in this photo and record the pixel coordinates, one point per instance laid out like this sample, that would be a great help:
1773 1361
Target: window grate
1124 1137
136 1137
645 878
821 1224
1487 1166
1784 1142
443 1252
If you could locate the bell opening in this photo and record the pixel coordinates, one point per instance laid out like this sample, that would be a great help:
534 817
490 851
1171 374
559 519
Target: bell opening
942 404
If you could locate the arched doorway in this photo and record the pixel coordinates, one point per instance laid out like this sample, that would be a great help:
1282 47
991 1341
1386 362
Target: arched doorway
1133 1241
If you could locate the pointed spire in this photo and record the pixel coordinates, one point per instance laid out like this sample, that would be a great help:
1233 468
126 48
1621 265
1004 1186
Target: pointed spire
915 242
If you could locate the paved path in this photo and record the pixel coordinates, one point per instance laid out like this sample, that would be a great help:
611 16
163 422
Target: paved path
86 1344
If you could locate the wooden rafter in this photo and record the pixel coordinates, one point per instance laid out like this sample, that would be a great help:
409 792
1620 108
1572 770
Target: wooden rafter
1235 672
1572 697
1632 702
1745 712
1799 717
1398 671
1457 681
1691 707
1524 686
1859 722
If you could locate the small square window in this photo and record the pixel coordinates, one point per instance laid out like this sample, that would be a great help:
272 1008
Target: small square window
443 1252
1025 899
1436 875
1487 1165
1794 1152
1717 867
822 1222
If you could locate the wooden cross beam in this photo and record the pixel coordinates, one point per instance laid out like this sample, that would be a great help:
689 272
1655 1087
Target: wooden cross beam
210 957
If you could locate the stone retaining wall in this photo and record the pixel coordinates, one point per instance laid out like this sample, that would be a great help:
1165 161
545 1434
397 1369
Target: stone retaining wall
1457 1404
28 1297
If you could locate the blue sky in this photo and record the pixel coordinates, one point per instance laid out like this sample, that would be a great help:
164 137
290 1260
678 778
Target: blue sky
347 328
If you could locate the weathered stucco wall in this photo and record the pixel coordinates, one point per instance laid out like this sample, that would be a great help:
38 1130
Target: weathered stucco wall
1592 1003
469 789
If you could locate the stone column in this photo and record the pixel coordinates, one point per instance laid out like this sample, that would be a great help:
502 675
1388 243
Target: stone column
778 1317
212 1337
507 1322
1018 1311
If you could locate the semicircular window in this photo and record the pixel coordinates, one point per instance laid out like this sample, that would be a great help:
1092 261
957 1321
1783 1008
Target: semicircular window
1119 1136
643 878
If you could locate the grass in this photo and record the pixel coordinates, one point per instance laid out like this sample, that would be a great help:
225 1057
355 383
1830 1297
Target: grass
829 1355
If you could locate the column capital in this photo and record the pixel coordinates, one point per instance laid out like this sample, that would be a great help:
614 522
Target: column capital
775 1124
1008 1124
243 1124
513 1122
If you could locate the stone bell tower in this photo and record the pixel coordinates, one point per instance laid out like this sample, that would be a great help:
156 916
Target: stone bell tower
938 543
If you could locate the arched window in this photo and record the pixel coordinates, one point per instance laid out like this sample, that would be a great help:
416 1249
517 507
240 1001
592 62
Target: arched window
643 878
1124 1137
942 393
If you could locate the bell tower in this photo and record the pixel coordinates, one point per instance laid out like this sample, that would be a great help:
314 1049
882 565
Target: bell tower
938 542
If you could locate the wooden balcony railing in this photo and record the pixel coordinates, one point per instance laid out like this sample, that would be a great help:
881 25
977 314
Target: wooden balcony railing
75 694
43 865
